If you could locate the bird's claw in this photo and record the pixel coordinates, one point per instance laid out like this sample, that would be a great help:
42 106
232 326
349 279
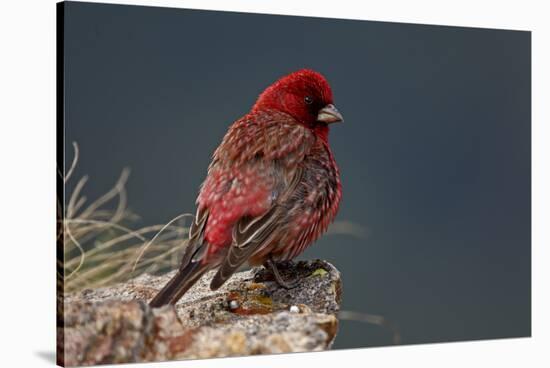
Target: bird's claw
286 284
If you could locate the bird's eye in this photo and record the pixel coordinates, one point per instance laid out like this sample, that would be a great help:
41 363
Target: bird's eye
308 100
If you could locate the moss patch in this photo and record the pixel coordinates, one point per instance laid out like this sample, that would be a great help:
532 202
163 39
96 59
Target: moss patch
319 272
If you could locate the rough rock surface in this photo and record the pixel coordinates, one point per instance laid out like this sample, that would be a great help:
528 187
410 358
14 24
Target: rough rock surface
250 314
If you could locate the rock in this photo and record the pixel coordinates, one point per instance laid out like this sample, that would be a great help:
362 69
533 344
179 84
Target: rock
250 314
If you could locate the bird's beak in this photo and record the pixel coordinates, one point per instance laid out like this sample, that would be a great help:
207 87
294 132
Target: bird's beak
330 114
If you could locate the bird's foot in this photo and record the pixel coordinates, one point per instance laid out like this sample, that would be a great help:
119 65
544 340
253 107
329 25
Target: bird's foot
287 284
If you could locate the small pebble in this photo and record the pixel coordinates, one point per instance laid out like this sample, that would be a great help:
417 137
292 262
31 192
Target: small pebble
294 309
233 304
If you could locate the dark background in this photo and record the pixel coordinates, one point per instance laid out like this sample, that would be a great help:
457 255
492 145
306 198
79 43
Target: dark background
434 152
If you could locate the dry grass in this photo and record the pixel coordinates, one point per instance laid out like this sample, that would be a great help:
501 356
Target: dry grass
374 320
100 249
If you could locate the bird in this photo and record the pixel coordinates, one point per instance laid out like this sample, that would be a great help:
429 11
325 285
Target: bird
271 189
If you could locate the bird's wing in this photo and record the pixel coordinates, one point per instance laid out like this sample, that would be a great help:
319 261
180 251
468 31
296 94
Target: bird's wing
196 247
251 234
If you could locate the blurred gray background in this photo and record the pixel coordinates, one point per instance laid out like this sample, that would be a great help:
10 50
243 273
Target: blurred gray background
434 152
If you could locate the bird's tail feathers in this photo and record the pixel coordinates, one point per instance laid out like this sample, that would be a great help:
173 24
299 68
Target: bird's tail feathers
179 284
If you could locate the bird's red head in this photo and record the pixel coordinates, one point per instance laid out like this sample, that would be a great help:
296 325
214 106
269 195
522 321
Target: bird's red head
305 95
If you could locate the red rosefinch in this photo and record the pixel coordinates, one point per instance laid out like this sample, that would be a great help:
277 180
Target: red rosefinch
272 187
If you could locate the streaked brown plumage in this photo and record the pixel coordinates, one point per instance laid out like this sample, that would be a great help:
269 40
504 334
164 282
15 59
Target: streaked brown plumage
272 187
